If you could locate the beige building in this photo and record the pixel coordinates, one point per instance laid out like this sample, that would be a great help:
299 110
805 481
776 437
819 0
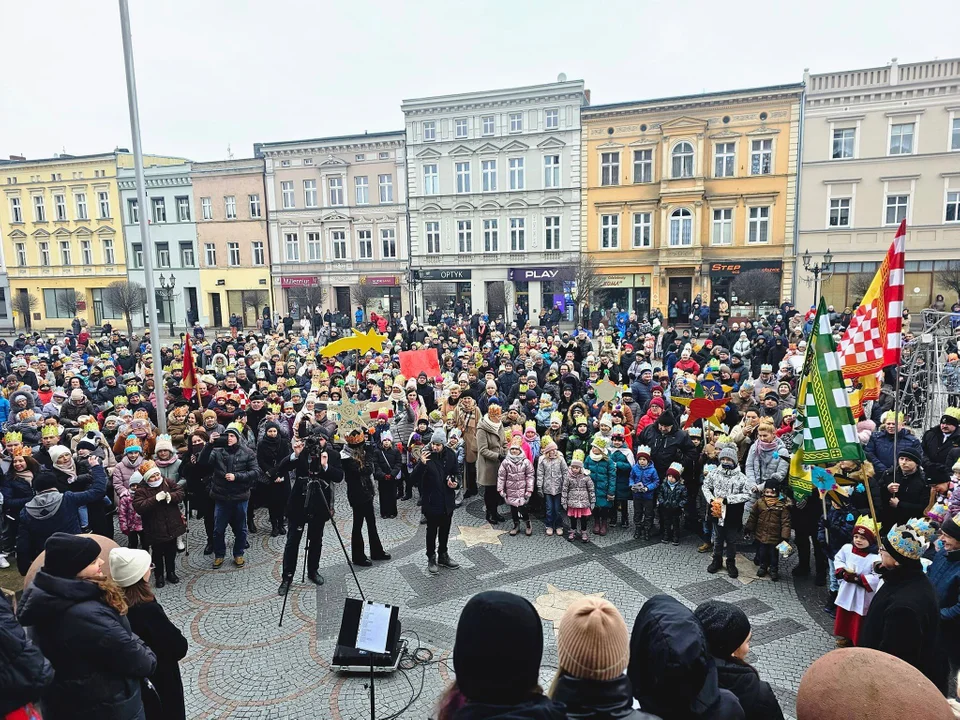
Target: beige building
880 145
337 222
231 217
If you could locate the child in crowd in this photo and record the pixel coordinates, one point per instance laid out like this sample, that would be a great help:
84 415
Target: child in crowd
552 473
643 483
578 496
726 490
456 444
834 531
623 462
515 484
672 499
604 477
855 568
769 523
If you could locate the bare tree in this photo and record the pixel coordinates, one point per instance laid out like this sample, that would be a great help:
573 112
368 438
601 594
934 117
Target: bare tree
949 278
435 294
68 301
857 286
587 282
253 300
125 297
363 294
755 287
23 304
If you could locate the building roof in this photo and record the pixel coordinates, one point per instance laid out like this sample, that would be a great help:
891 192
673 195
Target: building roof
701 97
335 139
553 88
67 158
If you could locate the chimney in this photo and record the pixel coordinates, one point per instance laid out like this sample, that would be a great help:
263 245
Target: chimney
586 94
18 157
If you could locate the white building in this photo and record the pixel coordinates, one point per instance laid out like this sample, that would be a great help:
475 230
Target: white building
493 182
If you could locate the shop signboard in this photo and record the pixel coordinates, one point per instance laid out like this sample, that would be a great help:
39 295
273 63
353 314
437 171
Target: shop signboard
298 281
446 275
380 280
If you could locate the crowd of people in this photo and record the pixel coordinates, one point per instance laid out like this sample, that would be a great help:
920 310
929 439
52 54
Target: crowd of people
559 432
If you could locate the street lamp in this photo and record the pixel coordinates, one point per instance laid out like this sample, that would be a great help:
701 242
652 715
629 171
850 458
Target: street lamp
166 292
818 269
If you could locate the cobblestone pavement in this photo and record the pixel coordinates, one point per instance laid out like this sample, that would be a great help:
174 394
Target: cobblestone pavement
242 665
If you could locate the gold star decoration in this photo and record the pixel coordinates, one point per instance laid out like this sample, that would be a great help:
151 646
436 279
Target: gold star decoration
482 535
554 603
350 417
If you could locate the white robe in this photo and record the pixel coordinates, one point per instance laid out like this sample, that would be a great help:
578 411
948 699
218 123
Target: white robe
853 596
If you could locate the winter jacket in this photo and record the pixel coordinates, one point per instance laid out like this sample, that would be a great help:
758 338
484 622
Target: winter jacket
25 673
731 486
437 497
386 463
623 463
51 512
322 497
756 697
238 460
359 479
97 660
672 496
122 472
150 623
914 495
538 708
491 449
604 477
879 448
578 492
403 422
515 481
577 442
674 446
467 423
597 699
840 524
936 449
162 521
944 575
770 522
763 465
644 481
551 475
71 411
16 493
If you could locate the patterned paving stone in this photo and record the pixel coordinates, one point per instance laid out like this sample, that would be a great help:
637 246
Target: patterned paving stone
697 592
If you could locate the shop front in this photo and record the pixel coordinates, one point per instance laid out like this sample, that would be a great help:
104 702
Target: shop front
302 292
625 290
550 286
384 297
722 275
445 290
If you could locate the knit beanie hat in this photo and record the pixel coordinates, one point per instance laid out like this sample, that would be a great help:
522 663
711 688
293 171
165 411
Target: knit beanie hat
550 445
66 554
127 567
675 469
132 444
666 419
643 452
87 442
76 395
952 527
729 453
592 640
439 436
486 619
164 442
56 452
724 625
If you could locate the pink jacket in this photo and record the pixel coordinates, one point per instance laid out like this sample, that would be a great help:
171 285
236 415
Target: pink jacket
515 481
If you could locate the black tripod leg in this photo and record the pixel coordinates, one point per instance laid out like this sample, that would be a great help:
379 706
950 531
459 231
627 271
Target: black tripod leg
283 608
306 554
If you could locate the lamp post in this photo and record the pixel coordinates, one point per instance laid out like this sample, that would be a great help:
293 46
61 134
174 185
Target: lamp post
818 269
166 291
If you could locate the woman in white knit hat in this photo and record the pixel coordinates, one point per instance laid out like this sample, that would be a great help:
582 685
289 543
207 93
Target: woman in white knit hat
131 569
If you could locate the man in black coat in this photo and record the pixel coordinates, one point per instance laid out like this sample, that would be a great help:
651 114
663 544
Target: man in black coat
436 475
668 444
26 673
938 444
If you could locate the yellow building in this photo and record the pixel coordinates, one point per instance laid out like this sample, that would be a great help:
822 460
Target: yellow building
680 195
62 234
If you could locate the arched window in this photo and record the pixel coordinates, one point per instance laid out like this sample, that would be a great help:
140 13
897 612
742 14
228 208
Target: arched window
681 228
682 156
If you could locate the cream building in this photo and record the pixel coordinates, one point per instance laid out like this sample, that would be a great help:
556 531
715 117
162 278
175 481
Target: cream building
879 145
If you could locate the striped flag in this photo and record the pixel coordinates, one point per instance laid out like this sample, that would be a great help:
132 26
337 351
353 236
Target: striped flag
189 381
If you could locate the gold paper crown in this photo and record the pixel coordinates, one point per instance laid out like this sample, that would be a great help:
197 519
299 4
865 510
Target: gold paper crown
22 451
866 522
11 437
50 431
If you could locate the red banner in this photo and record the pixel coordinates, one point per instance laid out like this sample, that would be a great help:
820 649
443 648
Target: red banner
413 362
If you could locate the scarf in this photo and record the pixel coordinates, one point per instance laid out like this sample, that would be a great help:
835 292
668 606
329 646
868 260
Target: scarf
767 446
164 463
516 459
155 483
26 476
70 470
126 461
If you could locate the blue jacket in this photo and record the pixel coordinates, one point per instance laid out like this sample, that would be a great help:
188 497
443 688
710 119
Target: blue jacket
4 409
623 469
879 448
604 477
944 574
840 524
644 481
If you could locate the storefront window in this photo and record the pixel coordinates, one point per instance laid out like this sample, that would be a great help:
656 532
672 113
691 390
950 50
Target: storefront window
522 292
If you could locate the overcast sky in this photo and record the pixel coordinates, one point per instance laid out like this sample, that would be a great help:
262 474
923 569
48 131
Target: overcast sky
213 73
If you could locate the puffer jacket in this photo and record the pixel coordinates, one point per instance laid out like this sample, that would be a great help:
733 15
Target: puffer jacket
71 411
162 521
623 463
25 673
122 472
578 491
730 485
763 465
769 522
491 449
879 448
644 481
551 475
515 481
360 487
597 699
238 460
604 476
756 697
672 496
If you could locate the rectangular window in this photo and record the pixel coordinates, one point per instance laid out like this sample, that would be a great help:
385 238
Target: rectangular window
360 157
518 234
610 168
488 174
163 255
57 303
16 212
384 156
365 244
210 254
159 210
432 232
386 188
896 209
552 119
761 157
65 256
643 166
233 254
258 256
681 228
310 193
901 139
609 232
286 189
339 244
491 235
292 245
336 191
44 249
551 171
81 199
460 128
463 177
133 211
759 229
39 211
429 130
551 232
955 135
431 180
517 179
230 207
60 207
642 230
839 212
953 207
308 161
724 159
465 235
108 252
362 186
843 143
314 251
183 209
516 122
254 205
722 227
488 124
187 258
206 208
103 202
86 253
388 242
21 254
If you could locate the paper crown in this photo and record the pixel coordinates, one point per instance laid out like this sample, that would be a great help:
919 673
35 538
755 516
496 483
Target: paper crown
599 442
953 412
675 469
131 389
109 372
91 425
50 431
556 417
147 468
578 457
606 419
617 432
546 400
891 415
22 451
516 441
643 452
25 415
120 400
274 408
529 425
866 525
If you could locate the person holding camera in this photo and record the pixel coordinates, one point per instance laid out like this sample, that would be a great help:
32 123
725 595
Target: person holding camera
309 504
358 474
436 475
